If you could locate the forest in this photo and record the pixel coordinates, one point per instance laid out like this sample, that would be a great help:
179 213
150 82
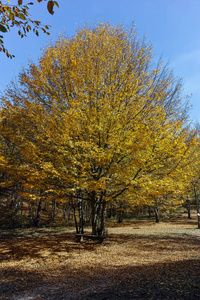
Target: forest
96 129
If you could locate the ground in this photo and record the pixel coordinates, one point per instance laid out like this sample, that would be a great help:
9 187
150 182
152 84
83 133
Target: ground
138 260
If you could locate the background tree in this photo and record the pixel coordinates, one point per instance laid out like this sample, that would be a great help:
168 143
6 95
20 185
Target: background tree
18 16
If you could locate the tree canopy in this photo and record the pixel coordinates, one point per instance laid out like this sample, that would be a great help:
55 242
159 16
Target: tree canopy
97 120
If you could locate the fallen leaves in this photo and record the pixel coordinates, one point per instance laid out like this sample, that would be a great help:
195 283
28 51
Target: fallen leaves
50 262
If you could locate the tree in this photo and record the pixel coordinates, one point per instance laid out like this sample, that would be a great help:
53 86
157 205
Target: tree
18 16
192 191
96 120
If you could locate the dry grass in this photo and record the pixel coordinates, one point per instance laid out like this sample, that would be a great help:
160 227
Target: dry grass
50 264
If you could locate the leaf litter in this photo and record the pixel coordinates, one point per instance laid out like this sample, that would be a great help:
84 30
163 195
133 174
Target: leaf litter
138 260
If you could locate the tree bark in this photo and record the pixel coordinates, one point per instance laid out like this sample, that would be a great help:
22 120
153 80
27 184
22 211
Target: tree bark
80 206
157 213
102 230
65 209
188 208
30 210
149 211
120 213
37 219
53 215
197 205
88 214
75 219
95 206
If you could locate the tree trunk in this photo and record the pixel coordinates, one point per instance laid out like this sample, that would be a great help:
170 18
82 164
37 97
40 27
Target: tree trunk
66 210
102 230
198 216
21 207
46 206
120 216
30 210
188 208
197 205
149 211
37 219
88 214
120 212
95 205
53 214
75 219
157 213
16 203
111 211
80 206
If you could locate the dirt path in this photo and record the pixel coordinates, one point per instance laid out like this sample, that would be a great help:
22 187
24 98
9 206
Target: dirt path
139 260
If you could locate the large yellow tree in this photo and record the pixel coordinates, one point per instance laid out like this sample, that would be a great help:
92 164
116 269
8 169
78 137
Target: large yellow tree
95 119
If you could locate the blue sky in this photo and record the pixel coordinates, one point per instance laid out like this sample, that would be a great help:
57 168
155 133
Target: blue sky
173 26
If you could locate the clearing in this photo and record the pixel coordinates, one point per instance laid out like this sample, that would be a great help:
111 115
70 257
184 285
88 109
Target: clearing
138 260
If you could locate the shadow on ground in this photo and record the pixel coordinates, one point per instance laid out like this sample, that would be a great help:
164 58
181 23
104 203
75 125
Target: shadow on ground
23 247
176 280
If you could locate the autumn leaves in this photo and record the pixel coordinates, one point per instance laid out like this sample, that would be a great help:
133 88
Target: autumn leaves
18 16
97 121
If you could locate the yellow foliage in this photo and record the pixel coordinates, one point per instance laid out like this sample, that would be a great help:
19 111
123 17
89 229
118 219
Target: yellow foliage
97 115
